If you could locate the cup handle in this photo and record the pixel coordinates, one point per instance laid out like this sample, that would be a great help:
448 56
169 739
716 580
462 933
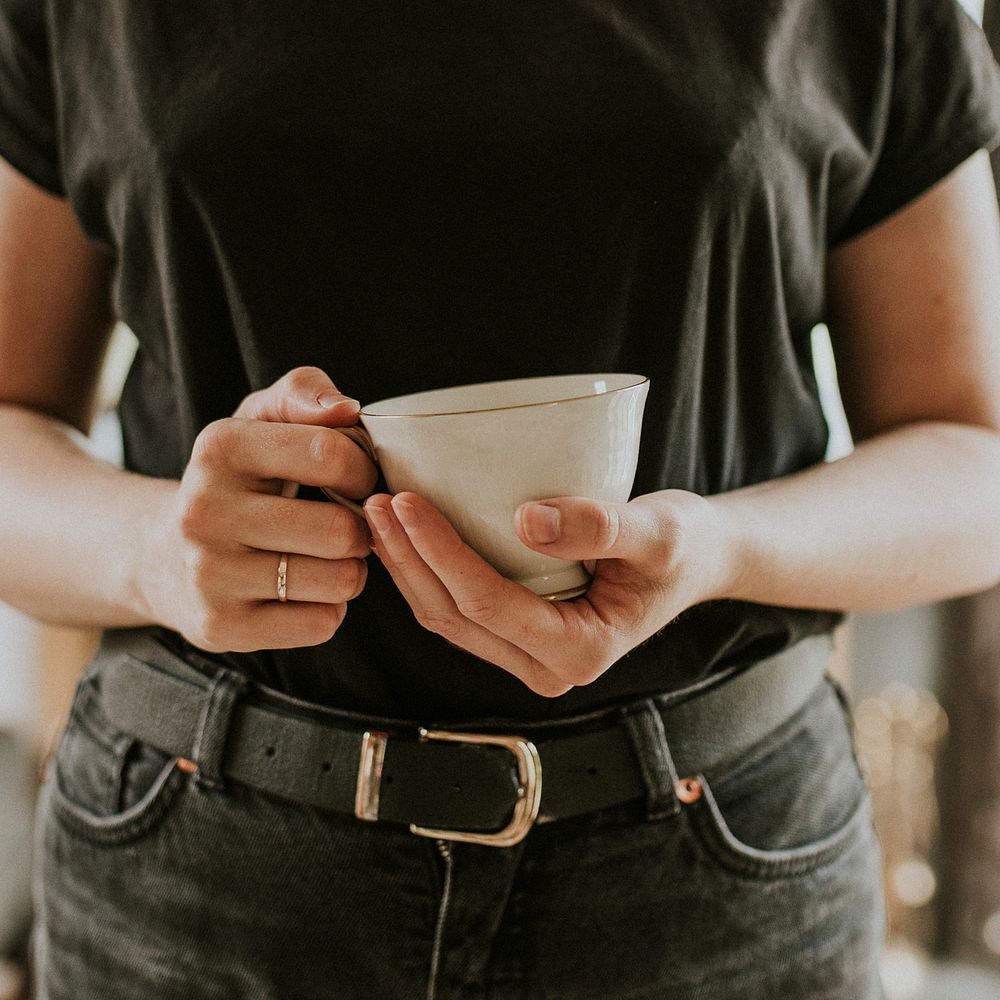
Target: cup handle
363 440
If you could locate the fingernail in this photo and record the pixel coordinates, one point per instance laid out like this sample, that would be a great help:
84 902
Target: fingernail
541 524
330 399
379 518
406 514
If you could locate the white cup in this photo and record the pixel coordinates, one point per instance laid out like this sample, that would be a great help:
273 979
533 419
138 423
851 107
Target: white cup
477 452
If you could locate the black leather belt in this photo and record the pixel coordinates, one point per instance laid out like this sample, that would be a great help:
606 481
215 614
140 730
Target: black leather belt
489 786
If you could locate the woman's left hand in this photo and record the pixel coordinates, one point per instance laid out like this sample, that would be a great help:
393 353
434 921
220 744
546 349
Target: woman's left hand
655 556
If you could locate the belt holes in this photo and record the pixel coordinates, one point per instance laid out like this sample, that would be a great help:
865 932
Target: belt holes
386 779
269 751
326 765
592 771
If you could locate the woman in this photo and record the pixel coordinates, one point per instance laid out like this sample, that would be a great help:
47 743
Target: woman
357 201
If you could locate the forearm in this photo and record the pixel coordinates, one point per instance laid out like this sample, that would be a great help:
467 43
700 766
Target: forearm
912 515
73 529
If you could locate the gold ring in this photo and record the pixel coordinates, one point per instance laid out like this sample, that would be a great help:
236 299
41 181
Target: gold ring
283 577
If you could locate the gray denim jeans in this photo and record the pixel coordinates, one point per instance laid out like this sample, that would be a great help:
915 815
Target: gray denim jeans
150 886
17 798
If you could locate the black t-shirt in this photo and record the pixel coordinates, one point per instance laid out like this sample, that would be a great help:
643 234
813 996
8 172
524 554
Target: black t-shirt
439 193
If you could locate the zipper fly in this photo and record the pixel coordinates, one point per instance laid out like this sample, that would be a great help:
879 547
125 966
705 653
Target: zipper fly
444 849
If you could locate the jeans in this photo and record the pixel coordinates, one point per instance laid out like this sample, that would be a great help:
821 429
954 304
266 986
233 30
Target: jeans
17 803
151 886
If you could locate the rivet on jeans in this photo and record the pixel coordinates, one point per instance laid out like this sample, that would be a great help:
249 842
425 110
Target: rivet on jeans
688 790
187 766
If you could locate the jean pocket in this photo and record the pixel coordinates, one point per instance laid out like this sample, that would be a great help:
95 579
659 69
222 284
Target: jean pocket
797 802
106 786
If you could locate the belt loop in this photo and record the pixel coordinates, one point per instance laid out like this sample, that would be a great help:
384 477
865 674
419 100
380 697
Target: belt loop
213 726
649 742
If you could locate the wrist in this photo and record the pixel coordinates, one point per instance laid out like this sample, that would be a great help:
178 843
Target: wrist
693 548
725 551
151 550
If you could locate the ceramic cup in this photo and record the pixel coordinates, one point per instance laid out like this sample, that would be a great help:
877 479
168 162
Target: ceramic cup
477 452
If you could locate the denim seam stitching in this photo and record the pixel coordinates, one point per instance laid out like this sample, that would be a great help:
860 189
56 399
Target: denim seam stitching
718 843
435 969
120 828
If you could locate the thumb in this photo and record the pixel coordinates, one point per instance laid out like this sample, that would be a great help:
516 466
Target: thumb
304 396
577 528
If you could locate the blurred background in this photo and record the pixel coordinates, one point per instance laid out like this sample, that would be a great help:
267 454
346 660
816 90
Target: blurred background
925 683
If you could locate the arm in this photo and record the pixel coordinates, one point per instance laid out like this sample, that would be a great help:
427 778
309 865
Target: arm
55 321
912 515
82 542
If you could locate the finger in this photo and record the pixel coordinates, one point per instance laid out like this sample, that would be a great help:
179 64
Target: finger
305 527
304 396
270 625
634 545
435 608
567 636
578 528
264 454
313 581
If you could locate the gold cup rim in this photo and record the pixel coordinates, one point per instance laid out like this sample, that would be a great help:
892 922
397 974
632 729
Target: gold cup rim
639 380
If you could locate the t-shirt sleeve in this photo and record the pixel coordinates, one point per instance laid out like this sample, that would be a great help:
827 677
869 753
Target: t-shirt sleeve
943 106
28 134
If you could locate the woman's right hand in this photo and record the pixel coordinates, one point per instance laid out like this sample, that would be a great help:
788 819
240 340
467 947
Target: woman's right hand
221 533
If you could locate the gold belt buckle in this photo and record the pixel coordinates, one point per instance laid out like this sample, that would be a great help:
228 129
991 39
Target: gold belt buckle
529 791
